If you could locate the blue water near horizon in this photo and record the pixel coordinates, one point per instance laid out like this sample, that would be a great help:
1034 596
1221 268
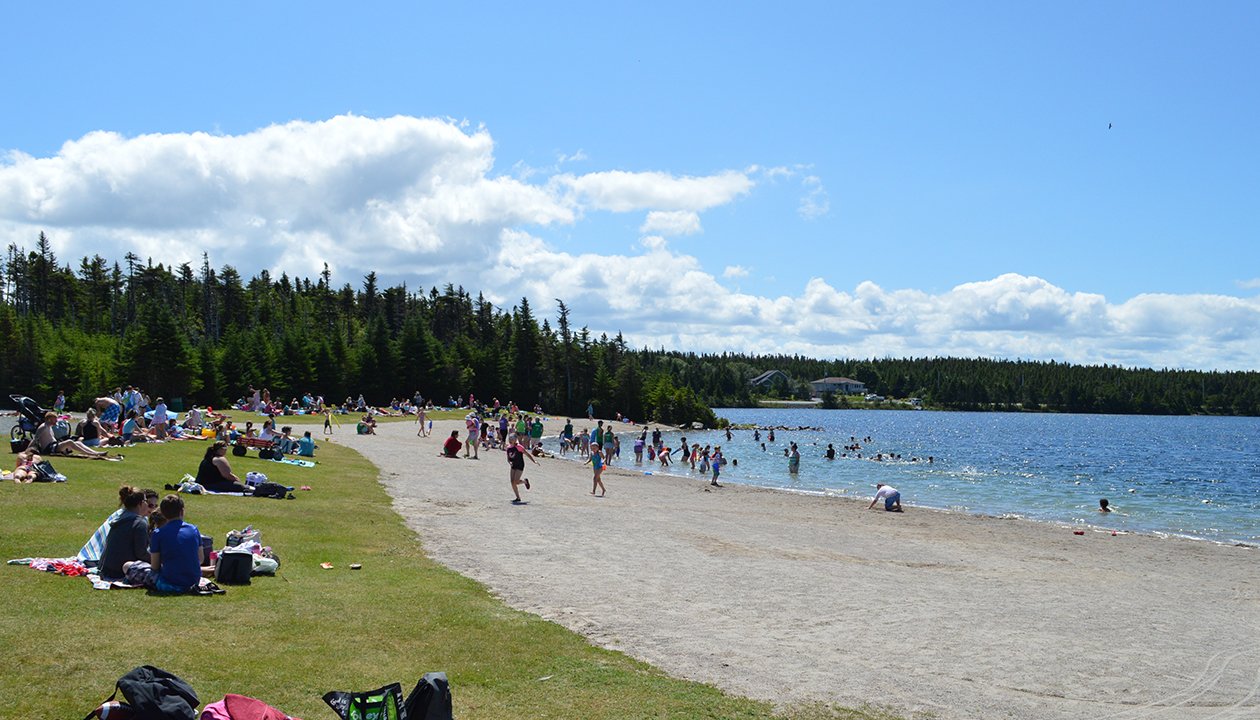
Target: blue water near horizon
1195 477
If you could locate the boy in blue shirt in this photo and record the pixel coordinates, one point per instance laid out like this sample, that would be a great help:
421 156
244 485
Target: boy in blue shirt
175 550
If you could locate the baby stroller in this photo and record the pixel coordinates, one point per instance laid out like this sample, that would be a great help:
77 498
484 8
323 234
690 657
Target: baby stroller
30 416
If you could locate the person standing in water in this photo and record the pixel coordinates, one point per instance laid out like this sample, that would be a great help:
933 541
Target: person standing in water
794 460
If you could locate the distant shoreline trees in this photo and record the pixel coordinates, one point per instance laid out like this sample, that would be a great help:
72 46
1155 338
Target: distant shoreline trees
204 335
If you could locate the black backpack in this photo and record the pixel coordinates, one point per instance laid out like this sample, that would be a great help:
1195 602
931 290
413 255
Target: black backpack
234 568
155 694
272 490
431 699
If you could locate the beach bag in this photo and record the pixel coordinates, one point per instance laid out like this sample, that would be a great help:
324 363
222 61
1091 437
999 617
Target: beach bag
152 694
249 534
44 472
17 445
254 479
431 699
240 707
234 567
271 490
265 565
380 704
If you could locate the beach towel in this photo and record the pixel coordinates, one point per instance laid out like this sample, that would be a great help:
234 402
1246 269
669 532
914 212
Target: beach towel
297 463
71 566
91 552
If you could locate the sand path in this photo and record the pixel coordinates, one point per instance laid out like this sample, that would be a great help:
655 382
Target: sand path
786 597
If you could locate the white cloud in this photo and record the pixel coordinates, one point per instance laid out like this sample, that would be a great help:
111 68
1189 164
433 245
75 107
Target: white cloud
418 200
671 223
1252 284
816 203
621 191
653 242
578 156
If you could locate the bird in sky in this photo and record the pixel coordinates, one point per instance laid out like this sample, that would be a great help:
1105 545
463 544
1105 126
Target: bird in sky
1108 126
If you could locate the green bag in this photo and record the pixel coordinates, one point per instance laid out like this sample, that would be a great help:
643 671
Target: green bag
381 704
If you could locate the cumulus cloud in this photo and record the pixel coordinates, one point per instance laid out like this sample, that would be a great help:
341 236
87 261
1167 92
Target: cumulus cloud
418 199
671 222
621 191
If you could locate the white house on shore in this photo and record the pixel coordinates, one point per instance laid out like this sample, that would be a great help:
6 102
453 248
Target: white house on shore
841 385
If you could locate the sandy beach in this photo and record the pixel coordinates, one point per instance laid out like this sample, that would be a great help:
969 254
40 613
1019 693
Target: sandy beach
789 597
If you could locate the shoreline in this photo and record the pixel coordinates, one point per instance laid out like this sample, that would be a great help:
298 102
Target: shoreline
792 598
1162 534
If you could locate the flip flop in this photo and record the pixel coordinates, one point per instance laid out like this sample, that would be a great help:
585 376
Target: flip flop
526 483
326 565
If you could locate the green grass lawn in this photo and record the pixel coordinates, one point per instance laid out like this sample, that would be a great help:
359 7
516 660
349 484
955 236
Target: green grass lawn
289 639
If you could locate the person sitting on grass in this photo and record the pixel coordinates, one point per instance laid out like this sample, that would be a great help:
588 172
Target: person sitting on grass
46 442
133 431
450 448
215 472
285 442
128 537
306 445
93 434
175 550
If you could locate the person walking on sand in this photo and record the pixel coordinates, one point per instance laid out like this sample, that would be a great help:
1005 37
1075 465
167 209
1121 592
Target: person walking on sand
421 417
516 454
328 421
597 465
890 496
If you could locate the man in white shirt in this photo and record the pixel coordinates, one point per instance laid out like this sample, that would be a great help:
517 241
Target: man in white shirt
890 496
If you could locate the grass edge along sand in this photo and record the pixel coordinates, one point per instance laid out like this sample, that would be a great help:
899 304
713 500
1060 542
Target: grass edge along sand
289 639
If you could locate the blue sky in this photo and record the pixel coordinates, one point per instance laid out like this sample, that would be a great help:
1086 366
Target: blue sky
835 179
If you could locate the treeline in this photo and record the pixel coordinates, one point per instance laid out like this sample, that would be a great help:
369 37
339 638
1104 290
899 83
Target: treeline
979 384
205 335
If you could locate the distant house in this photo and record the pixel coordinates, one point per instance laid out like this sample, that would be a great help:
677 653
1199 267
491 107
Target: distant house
768 377
842 385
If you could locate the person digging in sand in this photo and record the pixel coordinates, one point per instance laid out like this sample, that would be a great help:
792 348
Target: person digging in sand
890 496
516 454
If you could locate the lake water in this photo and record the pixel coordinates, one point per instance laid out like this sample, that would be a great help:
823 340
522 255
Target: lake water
1196 477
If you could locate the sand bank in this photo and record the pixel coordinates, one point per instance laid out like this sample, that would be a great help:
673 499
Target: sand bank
787 597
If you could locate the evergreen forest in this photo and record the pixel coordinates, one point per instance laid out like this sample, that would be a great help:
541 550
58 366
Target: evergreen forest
204 335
